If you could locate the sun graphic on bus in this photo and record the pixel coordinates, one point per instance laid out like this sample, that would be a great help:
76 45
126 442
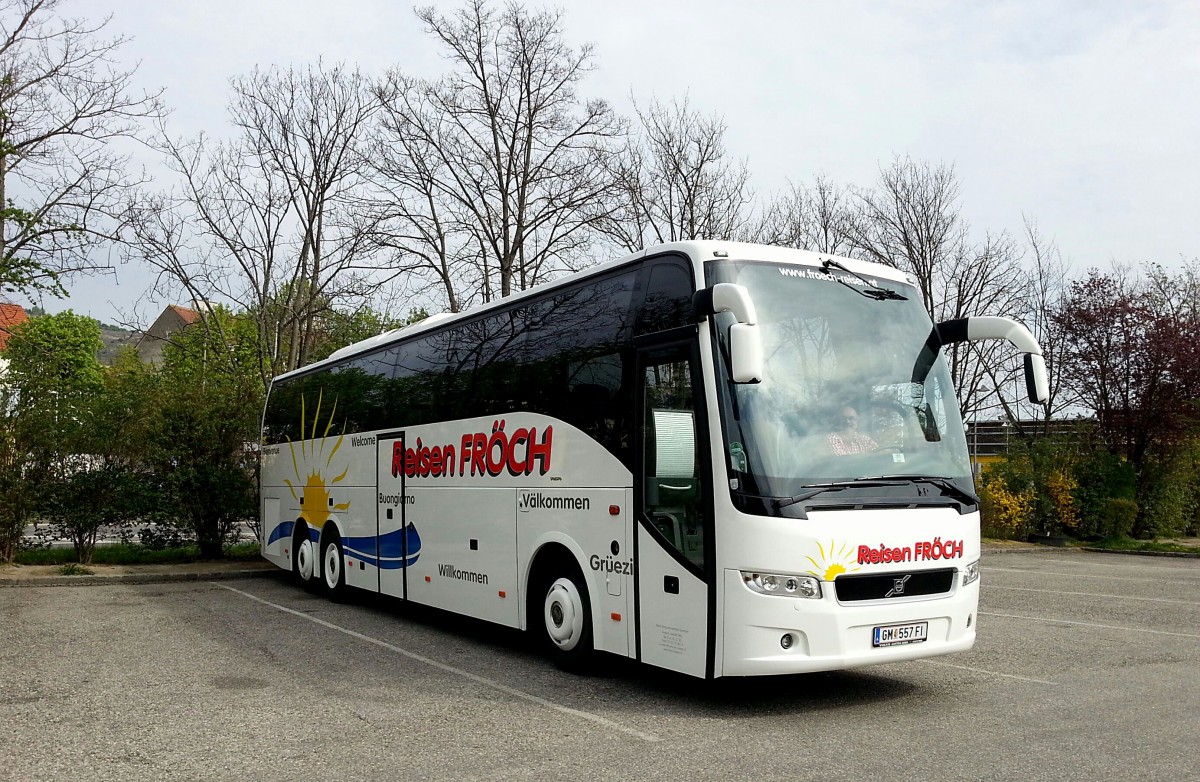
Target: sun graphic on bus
833 562
314 497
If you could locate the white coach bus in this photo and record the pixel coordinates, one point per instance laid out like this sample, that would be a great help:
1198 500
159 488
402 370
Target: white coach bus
721 459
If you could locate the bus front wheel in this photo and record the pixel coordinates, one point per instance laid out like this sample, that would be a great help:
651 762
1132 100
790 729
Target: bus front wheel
566 620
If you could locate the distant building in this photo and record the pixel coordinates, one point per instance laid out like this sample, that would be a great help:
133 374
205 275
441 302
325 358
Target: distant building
989 442
11 315
174 318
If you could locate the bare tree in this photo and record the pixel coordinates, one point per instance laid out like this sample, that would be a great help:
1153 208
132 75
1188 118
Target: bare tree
269 219
1045 282
63 184
495 172
818 218
912 221
307 126
676 181
423 226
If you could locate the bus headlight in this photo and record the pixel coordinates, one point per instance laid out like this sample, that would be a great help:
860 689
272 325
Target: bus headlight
971 573
782 585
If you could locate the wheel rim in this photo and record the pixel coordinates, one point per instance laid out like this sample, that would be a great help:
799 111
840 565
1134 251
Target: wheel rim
563 614
333 566
304 560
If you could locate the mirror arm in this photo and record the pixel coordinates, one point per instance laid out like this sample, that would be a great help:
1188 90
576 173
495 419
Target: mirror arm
980 328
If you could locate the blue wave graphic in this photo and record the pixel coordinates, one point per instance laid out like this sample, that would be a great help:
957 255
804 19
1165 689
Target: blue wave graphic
390 547
284 530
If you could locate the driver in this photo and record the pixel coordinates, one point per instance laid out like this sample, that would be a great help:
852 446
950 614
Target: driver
846 439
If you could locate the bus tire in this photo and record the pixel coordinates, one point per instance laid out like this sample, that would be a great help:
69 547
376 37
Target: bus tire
304 557
562 617
333 570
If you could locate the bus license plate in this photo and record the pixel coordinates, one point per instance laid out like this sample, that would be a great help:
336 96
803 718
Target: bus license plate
894 635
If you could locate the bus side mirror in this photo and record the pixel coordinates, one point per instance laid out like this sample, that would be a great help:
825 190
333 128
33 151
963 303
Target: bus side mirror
1037 382
745 353
745 341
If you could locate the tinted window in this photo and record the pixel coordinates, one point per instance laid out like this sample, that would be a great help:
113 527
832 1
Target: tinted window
567 356
576 358
361 389
668 299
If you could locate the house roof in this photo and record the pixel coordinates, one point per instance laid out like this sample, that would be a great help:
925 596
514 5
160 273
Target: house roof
10 315
189 316
170 320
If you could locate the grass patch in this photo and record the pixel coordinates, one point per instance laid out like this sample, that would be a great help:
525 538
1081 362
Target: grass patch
75 569
127 554
1128 544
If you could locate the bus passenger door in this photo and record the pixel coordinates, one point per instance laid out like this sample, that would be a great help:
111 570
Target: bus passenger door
391 498
672 533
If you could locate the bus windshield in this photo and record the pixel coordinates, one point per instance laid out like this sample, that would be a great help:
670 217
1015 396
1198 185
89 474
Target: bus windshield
844 398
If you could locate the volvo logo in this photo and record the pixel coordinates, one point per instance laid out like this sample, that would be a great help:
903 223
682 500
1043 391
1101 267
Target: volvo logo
898 586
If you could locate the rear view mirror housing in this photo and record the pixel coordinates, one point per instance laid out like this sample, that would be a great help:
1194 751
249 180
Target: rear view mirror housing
1037 381
745 341
745 353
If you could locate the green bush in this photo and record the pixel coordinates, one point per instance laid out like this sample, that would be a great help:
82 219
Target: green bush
1116 518
158 537
1171 501
125 554
1099 478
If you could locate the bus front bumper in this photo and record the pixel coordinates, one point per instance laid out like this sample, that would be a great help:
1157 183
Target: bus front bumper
826 635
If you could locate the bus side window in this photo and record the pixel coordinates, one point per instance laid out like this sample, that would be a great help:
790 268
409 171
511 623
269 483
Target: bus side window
668 299
672 488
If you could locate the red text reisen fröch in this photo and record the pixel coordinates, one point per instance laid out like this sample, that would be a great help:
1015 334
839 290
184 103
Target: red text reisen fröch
918 552
518 453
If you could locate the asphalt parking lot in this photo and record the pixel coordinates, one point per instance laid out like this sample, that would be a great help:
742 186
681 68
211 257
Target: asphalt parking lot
1087 667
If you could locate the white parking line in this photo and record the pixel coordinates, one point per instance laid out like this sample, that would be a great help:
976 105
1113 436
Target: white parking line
1090 624
1144 565
1069 575
451 669
984 670
1092 594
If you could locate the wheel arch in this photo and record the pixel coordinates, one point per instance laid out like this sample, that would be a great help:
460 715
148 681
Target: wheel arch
553 549
331 532
300 529
331 527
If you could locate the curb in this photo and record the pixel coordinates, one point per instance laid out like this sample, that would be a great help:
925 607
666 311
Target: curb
1177 554
139 578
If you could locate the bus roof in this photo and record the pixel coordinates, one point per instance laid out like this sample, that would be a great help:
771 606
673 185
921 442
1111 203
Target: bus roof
698 251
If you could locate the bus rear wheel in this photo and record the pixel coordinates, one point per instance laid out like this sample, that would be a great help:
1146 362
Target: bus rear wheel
565 615
304 558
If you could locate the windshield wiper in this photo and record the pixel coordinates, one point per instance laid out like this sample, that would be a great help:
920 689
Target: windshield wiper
825 488
947 485
872 292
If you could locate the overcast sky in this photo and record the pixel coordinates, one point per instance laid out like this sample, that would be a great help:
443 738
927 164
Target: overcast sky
1082 115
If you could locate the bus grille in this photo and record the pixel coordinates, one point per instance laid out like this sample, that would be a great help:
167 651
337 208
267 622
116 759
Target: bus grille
889 586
